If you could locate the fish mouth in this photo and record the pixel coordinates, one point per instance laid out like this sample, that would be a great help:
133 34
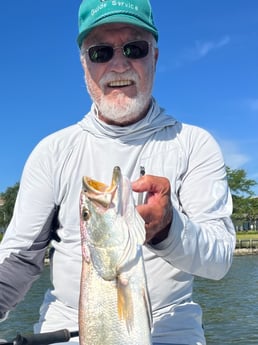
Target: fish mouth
99 192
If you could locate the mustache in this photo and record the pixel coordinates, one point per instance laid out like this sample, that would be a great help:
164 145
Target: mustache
114 76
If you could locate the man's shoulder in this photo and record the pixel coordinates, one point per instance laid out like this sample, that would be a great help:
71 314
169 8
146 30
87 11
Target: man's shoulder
60 141
64 135
192 131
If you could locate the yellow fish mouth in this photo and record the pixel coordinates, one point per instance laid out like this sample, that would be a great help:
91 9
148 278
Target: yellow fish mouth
99 192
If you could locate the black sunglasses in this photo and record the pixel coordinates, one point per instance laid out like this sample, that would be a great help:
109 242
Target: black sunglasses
133 50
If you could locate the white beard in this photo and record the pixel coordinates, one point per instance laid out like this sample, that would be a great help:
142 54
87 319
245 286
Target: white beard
124 109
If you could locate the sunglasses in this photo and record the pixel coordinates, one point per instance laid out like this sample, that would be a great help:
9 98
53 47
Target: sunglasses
132 50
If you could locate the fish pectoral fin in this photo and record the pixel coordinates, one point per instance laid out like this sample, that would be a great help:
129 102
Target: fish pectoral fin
125 303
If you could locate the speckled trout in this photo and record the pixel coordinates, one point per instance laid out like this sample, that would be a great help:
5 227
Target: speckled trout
114 307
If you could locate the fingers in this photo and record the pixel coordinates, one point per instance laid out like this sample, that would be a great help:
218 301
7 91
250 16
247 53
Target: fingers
157 209
151 184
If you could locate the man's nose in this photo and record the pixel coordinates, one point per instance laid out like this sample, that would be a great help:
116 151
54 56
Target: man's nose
119 61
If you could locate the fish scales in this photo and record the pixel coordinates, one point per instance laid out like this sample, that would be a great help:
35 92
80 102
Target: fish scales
114 307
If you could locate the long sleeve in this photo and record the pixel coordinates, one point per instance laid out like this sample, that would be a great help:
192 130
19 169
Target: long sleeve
46 209
23 247
201 240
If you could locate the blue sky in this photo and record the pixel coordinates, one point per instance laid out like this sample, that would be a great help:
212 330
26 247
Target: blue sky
207 74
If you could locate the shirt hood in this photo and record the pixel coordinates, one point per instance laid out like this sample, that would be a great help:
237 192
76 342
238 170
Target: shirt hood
154 121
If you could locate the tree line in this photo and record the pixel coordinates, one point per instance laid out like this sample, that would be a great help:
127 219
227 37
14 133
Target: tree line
245 204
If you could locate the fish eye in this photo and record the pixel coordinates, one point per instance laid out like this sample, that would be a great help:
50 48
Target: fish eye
85 214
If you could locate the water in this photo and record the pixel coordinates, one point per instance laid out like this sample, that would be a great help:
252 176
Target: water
230 306
21 320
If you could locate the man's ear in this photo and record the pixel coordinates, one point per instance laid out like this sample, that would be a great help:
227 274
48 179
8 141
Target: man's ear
156 56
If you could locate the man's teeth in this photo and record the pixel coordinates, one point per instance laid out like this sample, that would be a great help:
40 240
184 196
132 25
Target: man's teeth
119 83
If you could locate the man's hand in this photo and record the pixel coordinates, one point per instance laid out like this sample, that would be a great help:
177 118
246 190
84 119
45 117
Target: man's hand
157 209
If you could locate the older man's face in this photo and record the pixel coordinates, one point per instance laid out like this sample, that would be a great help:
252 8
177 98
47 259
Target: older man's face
120 87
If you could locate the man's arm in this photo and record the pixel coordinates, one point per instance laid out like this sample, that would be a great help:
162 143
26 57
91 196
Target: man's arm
22 250
201 237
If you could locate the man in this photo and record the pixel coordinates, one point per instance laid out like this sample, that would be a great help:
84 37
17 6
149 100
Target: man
187 206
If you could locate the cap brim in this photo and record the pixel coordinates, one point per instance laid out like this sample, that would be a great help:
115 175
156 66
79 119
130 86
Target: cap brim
117 18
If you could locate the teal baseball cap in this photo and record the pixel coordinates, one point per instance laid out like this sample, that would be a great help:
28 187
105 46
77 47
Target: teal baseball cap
93 13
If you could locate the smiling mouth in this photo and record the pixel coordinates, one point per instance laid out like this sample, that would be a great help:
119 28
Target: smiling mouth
120 83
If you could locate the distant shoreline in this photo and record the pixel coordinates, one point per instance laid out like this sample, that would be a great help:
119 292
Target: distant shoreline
245 251
247 245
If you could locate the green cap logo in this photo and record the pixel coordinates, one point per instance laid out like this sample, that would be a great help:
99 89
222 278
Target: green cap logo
93 13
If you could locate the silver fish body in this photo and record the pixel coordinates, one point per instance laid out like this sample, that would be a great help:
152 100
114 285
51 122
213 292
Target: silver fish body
114 307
